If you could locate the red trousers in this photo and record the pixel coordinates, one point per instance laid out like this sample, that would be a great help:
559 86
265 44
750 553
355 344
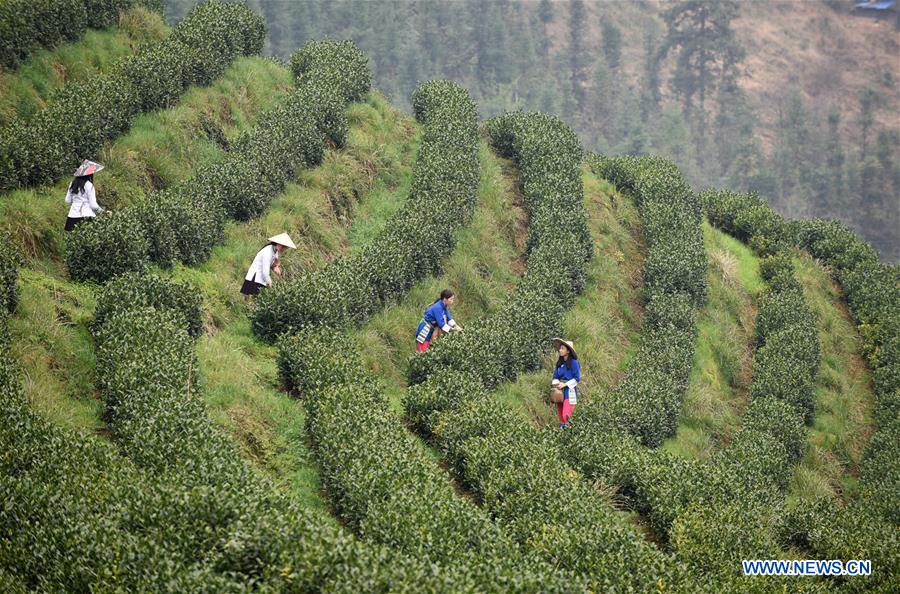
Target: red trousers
564 410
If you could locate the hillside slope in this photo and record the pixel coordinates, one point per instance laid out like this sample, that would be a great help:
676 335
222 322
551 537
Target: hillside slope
243 503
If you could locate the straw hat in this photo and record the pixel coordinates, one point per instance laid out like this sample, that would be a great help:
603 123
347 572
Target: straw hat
568 343
283 239
87 168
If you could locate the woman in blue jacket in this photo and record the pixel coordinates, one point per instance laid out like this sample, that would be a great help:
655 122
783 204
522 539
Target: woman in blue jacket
436 320
566 376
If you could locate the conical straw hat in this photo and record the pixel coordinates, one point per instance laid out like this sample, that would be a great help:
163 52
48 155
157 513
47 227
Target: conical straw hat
283 239
568 343
87 168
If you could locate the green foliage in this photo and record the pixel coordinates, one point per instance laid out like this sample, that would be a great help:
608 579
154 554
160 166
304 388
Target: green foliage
182 511
415 240
648 400
87 113
382 481
515 471
9 272
131 290
341 63
184 222
502 346
517 475
873 293
749 218
108 246
26 25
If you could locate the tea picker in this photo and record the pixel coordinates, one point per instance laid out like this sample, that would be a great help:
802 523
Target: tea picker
436 320
566 376
266 262
81 195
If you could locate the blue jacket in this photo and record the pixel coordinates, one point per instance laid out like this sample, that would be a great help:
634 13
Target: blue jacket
437 315
569 377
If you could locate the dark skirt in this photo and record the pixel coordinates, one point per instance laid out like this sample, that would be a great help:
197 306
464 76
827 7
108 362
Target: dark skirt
251 287
72 221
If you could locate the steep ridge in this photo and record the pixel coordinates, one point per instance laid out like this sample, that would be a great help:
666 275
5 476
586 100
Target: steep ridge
28 25
86 114
50 335
516 472
27 89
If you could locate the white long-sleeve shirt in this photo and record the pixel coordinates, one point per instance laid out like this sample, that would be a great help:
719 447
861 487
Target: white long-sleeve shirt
84 204
261 268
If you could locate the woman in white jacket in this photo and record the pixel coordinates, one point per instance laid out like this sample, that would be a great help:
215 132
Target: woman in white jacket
266 262
82 196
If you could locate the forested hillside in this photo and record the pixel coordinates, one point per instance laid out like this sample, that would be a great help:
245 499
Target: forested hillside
795 100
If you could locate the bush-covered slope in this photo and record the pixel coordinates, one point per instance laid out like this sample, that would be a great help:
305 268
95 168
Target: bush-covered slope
27 89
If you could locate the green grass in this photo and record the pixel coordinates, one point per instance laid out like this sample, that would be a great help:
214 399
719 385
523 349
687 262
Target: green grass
605 320
161 148
50 329
53 345
482 270
241 386
26 90
717 394
844 399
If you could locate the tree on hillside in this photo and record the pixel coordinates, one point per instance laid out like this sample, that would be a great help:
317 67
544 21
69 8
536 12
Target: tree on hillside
793 156
708 54
650 94
834 186
612 44
578 55
867 104
733 124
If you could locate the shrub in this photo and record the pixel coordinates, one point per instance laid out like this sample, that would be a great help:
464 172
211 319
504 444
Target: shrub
86 114
130 291
110 245
184 222
648 400
500 347
26 25
340 62
381 479
9 272
445 180
516 472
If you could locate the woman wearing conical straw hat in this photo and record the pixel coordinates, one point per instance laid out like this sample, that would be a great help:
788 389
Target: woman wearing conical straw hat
266 262
566 376
81 195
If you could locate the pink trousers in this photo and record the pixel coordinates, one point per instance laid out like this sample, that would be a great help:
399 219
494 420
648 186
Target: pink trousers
564 410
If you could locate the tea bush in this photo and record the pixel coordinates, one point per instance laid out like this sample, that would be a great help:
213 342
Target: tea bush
131 290
9 272
26 25
416 239
690 502
337 61
501 346
648 400
183 223
517 472
872 291
209 514
518 475
382 481
112 244
88 113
